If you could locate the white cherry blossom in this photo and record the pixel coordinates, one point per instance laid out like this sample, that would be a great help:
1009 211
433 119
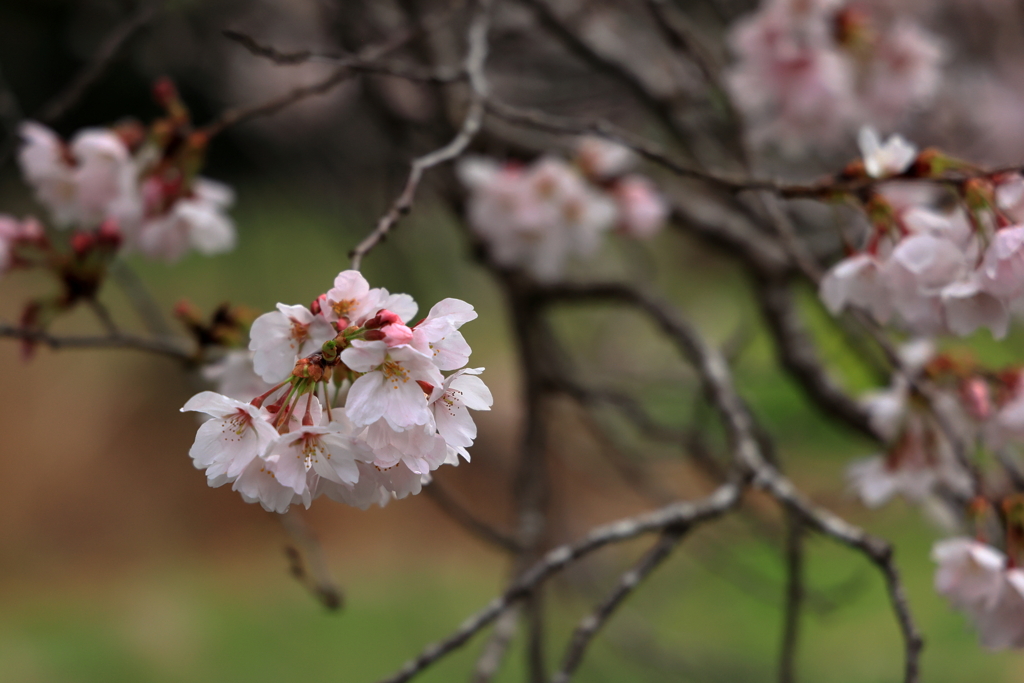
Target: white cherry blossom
890 158
237 434
461 392
390 387
279 338
438 336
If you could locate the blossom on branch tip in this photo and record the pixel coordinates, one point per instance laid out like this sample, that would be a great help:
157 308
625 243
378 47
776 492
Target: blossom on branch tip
883 160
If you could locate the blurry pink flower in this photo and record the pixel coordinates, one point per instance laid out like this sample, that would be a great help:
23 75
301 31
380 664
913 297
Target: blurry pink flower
82 183
970 573
601 159
856 281
642 210
197 221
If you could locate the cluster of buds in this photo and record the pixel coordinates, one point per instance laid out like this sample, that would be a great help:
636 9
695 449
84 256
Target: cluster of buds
941 257
357 408
810 71
535 217
143 181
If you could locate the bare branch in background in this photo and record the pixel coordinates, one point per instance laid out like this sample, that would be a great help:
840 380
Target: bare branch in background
101 60
795 591
468 520
628 582
307 562
684 514
476 56
114 341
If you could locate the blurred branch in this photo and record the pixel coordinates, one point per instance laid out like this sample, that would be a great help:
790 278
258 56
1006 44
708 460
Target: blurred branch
468 521
565 33
489 662
307 563
794 598
717 380
683 514
628 582
113 341
354 63
101 60
474 65
146 307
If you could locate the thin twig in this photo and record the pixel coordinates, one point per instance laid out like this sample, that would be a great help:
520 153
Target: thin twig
114 341
411 72
469 521
307 562
489 661
794 598
628 582
101 60
716 377
476 56
690 514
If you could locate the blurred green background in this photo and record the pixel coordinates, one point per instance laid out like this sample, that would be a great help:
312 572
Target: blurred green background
118 563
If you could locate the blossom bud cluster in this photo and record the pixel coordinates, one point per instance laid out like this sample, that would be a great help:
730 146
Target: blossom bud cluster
143 182
356 408
932 265
810 71
535 217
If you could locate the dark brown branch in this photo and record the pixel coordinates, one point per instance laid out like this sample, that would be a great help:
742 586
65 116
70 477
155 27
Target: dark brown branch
410 72
680 514
469 521
794 598
114 341
628 582
716 377
797 355
659 106
474 65
307 563
101 60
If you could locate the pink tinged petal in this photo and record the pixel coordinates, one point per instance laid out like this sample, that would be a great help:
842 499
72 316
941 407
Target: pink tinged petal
292 464
403 305
935 262
871 481
364 356
212 403
1004 263
367 398
475 394
407 405
969 573
258 484
967 309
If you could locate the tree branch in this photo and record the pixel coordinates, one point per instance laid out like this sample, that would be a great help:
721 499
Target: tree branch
689 514
113 341
628 582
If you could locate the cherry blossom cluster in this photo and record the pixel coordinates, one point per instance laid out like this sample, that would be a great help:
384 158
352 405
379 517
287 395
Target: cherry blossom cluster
355 406
920 459
940 257
810 71
143 182
537 216
983 410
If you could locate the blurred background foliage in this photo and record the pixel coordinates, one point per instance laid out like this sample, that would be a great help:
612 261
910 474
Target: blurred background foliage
118 563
